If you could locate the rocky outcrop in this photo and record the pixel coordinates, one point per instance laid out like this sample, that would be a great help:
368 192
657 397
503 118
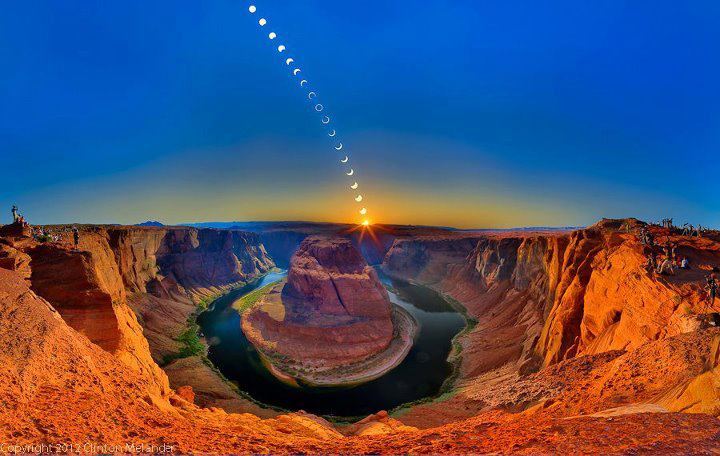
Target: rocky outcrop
331 312
167 272
328 277
131 290
57 384
172 262
542 298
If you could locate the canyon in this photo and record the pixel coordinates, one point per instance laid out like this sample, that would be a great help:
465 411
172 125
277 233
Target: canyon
571 345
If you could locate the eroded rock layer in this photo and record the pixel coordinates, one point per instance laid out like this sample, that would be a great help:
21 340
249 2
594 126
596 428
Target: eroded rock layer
542 298
574 346
331 312
128 289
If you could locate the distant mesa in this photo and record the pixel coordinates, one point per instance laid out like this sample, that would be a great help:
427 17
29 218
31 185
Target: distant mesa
150 223
331 323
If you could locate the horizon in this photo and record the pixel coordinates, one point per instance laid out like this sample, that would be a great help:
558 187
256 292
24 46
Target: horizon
501 116
230 223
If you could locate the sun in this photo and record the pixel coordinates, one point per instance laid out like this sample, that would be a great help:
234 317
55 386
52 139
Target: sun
366 223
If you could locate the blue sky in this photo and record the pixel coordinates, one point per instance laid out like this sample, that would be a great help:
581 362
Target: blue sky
465 113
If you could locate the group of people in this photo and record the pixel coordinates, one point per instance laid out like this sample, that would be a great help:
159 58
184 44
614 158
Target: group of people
686 230
18 217
646 237
690 230
668 261
43 234
664 264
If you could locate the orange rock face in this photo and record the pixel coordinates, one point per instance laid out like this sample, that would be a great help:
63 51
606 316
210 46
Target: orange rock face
542 298
328 277
331 311
121 275
574 347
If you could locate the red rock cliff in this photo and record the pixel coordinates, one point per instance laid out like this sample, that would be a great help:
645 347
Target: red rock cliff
329 277
542 298
160 272
332 311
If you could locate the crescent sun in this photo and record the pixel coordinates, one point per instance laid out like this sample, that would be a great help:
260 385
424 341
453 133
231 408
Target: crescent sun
303 82
332 133
339 146
354 186
351 172
363 211
311 95
289 61
358 198
325 120
281 48
296 71
344 160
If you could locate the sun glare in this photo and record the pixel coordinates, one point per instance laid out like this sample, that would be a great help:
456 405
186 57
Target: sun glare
366 222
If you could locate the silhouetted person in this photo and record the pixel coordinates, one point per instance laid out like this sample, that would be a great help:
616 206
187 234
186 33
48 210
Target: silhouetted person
15 214
651 264
76 237
711 286
666 267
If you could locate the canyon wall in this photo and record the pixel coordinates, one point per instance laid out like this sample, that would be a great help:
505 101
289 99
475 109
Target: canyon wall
169 271
540 298
131 290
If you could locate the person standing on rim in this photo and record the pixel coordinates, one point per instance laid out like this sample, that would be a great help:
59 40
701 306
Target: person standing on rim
711 286
76 237
15 213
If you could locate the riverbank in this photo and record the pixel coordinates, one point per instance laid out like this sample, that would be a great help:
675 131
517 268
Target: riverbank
192 367
454 358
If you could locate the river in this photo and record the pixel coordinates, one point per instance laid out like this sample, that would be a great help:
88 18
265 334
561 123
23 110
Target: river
420 375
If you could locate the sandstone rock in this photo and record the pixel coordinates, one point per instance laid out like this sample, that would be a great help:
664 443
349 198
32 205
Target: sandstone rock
208 389
187 393
14 260
556 295
377 424
328 277
332 312
613 346
161 272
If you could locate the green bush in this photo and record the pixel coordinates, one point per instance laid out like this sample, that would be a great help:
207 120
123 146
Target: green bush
191 345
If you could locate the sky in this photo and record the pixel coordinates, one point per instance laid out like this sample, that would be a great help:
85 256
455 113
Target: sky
458 113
